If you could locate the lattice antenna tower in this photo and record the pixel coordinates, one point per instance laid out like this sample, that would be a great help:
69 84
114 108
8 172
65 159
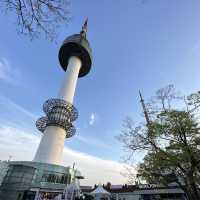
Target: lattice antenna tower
146 114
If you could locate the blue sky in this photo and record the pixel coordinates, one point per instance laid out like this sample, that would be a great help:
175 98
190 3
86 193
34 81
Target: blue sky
137 44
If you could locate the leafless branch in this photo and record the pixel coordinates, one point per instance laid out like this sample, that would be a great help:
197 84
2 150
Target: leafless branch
38 17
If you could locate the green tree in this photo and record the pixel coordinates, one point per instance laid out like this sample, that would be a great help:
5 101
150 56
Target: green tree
170 141
37 17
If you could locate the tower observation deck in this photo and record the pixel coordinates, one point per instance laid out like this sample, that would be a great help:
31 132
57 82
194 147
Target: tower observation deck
75 57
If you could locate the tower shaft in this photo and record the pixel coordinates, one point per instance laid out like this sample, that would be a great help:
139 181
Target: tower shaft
68 87
52 143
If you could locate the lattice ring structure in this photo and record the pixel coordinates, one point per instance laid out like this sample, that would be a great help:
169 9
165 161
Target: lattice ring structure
58 113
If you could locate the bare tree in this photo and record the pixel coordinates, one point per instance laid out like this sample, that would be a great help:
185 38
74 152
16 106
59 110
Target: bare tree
38 17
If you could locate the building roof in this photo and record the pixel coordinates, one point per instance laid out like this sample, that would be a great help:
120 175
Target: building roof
141 189
100 190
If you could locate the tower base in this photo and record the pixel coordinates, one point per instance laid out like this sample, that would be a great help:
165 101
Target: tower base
27 180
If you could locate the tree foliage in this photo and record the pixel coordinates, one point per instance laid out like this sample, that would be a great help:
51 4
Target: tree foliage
170 141
38 17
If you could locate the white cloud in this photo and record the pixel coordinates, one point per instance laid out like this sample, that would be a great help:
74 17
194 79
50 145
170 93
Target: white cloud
8 73
95 169
92 118
93 141
21 145
17 143
13 107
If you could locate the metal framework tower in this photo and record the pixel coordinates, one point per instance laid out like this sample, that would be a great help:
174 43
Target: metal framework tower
75 57
146 115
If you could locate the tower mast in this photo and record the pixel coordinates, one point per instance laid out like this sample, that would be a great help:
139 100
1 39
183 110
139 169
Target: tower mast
146 115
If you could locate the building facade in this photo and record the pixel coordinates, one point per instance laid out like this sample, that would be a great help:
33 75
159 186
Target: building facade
142 192
25 180
3 170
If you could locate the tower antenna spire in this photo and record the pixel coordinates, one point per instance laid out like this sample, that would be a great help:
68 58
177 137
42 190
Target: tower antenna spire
146 115
84 28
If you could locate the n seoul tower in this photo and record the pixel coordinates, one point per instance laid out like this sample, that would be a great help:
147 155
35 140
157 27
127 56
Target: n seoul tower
75 57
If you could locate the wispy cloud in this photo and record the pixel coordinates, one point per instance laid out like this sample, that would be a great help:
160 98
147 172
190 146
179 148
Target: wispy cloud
9 73
92 118
95 169
93 141
15 141
11 105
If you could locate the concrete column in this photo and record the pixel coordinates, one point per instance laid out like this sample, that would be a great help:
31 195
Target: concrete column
67 90
52 143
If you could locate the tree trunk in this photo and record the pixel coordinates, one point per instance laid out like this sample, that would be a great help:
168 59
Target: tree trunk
191 190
